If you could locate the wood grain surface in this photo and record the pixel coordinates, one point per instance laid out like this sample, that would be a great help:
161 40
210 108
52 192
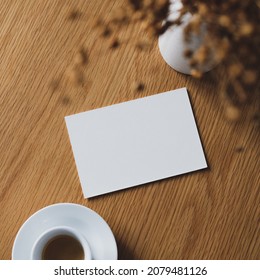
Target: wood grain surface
210 214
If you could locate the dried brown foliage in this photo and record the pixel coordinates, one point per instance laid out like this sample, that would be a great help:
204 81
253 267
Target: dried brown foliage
231 40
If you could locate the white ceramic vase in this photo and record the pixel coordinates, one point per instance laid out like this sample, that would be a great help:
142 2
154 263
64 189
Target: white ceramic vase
172 43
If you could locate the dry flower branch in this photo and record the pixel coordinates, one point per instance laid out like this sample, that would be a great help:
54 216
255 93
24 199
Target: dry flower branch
232 39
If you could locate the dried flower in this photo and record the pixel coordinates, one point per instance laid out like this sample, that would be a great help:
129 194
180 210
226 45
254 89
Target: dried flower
196 73
143 45
256 118
74 15
230 32
120 16
188 53
246 29
106 32
138 86
250 76
235 70
202 9
81 57
54 84
233 113
65 100
75 75
114 44
224 20
232 39
239 149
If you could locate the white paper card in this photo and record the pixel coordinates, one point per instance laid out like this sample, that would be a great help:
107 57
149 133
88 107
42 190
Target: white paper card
135 142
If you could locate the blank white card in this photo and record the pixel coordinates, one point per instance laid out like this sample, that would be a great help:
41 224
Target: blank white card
135 142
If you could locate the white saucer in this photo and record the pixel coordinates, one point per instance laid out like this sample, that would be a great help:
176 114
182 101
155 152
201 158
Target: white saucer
97 232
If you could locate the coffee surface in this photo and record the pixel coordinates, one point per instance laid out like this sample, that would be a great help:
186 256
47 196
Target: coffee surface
63 247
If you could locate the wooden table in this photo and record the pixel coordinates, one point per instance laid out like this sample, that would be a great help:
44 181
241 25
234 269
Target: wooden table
210 214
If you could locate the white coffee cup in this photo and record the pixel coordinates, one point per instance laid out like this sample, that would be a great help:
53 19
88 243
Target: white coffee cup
50 235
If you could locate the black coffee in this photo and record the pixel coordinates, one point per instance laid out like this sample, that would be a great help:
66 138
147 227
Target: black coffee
63 247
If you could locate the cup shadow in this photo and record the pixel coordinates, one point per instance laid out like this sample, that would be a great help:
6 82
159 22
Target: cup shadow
124 253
